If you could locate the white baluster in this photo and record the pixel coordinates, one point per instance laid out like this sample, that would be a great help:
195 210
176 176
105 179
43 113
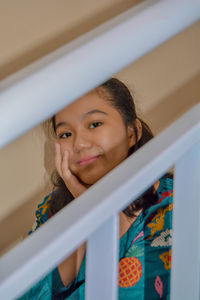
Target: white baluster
102 262
185 248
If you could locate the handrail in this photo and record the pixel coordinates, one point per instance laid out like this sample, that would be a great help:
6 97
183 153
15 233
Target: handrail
69 72
97 205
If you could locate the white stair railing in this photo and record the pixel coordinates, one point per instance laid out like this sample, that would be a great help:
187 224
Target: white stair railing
41 90
186 226
54 81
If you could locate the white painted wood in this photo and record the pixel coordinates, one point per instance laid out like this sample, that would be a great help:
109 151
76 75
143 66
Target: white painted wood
186 225
102 262
59 236
37 92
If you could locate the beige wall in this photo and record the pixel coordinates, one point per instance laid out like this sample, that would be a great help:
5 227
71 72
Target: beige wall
30 29
165 83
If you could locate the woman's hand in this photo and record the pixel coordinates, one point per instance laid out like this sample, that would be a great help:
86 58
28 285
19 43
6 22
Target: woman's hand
73 184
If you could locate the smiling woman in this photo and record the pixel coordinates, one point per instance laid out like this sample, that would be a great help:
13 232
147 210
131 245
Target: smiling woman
93 135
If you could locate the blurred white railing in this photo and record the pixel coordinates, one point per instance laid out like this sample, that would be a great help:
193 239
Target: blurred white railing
37 92
40 90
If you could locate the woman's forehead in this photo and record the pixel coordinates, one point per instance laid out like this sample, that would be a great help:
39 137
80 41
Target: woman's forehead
84 105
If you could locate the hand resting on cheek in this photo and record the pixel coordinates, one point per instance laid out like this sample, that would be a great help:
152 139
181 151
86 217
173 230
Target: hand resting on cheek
72 182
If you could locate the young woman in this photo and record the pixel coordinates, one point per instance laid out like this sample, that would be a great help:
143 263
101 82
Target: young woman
93 135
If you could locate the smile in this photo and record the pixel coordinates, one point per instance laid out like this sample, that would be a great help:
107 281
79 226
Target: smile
87 160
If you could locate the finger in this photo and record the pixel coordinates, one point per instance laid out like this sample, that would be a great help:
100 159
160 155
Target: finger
70 179
58 158
65 166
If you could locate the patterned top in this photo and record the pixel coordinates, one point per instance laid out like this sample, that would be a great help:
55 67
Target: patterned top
144 256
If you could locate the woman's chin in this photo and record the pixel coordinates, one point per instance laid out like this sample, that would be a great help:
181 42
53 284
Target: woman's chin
92 176
89 180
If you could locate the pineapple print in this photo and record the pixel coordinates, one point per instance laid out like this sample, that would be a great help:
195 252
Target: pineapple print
130 268
130 271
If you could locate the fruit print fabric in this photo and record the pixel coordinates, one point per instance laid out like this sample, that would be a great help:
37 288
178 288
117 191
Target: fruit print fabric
41 213
152 247
158 220
130 267
166 259
130 271
164 239
144 256
158 286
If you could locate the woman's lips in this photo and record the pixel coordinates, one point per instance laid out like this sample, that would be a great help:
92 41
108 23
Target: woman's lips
87 160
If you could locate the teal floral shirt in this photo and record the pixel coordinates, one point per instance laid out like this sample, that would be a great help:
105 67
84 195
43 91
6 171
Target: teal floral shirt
144 256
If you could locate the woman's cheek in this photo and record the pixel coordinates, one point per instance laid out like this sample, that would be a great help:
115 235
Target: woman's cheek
106 143
63 147
110 143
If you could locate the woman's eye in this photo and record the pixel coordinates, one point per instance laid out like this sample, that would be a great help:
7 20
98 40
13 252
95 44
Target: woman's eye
64 135
95 124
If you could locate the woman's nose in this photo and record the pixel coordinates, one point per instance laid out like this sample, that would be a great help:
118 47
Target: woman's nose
81 141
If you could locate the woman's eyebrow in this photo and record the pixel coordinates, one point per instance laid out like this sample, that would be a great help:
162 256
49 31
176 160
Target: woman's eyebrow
61 124
88 113
94 111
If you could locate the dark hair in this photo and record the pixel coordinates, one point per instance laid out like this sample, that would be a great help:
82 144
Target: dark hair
120 97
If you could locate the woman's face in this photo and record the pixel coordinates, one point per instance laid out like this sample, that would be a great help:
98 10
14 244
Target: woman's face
95 136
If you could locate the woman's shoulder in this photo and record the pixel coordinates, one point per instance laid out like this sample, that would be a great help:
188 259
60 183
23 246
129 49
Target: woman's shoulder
145 261
156 218
165 187
164 205
158 214
42 212
42 208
